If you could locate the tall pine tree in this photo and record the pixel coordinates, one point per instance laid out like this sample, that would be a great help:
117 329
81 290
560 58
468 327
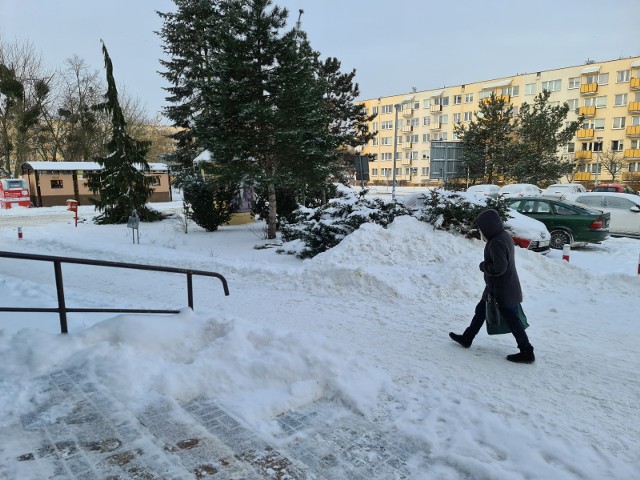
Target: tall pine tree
121 183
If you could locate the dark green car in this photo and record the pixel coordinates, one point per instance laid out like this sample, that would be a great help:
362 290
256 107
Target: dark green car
567 222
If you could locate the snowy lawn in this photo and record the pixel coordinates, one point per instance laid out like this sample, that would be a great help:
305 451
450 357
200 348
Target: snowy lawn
363 325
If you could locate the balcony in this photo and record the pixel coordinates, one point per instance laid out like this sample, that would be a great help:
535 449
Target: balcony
634 107
436 108
582 177
589 89
631 176
406 161
505 98
587 111
633 131
436 125
584 133
407 145
407 129
632 153
634 84
407 112
584 155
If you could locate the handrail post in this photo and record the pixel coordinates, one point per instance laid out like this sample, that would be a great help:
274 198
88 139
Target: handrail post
190 289
62 308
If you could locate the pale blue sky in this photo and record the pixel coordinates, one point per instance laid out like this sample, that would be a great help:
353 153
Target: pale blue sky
393 45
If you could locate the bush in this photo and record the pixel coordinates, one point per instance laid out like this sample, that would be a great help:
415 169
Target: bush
456 212
208 202
315 230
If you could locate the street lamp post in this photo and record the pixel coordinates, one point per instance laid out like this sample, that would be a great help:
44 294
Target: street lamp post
595 183
397 107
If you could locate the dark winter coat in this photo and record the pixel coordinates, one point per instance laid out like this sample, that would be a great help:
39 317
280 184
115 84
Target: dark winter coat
499 265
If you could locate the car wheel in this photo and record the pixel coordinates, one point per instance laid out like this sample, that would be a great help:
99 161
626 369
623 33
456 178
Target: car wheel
559 238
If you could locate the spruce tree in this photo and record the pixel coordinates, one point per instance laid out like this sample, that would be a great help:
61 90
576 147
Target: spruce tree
121 183
540 132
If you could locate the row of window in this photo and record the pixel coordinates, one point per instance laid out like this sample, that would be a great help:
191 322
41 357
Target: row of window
388 172
622 76
57 184
400 140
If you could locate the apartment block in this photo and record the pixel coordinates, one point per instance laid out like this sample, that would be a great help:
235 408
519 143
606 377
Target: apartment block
606 93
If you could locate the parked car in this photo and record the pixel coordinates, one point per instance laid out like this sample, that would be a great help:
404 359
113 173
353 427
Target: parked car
567 222
559 190
485 190
614 187
623 207
515 190
528 232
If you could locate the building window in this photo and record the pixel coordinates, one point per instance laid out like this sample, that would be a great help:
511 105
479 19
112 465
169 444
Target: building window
456 118
620 100
617 145
603 79
414 122
552 85
634 166
618 122
374 141
425 154
399 140
623 76
468 116
374 172
426 103
512 91
457 99
386 156
387 125
416 105
635 121
425 171
387 108
530 89
574 82
56 183
571 147
375 110
468 98
426 138
413 138
635 144
485 94
573 104
426 121
414 156
385 141
598 102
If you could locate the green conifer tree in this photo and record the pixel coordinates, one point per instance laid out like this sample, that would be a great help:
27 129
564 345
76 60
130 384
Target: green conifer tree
121 183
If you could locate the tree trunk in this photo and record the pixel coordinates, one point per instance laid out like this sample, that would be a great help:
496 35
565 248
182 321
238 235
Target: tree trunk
273 217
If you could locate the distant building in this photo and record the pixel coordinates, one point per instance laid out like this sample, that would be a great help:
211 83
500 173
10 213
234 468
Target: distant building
53 183
606 93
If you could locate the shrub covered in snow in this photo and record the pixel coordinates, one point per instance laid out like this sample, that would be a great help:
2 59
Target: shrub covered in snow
315 230
457 212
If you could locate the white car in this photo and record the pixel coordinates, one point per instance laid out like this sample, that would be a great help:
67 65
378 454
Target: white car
516 190
623 207
485 190
561 190
528 232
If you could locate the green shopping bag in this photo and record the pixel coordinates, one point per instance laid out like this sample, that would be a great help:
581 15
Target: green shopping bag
500 327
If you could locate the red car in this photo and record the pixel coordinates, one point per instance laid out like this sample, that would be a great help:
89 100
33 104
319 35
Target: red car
614 187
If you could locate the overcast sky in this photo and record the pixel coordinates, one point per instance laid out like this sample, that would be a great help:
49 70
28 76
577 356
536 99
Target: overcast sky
393 45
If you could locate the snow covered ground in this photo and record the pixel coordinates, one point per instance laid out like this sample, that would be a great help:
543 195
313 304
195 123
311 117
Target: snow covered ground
363 326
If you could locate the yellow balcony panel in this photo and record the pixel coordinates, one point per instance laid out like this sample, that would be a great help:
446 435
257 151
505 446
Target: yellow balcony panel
582 177
584 133
406 161
634 107
436 125
633 131
436 108
587 111
632 153
589 89
407 112
407 129
634 84
584 155
406 145
631 176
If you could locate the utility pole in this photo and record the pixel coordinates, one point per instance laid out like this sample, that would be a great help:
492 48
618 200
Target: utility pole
397 107
595 184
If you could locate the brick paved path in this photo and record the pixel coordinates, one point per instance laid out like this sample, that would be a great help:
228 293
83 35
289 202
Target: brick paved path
81 432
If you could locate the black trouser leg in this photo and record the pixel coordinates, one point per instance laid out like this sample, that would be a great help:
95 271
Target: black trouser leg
510 315
477 321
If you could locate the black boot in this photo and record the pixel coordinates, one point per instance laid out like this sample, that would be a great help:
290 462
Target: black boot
463 340
525 356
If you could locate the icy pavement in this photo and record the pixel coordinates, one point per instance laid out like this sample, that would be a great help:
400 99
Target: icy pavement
82 432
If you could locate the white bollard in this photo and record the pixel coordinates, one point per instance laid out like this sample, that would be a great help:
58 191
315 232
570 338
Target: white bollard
566 252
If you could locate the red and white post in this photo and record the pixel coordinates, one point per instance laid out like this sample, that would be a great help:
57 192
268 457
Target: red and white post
19 232
566 252
638 264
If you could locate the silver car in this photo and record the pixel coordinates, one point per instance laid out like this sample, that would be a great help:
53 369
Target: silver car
623 207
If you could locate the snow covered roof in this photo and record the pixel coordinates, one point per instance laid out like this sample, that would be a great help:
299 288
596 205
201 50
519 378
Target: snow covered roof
501 83
72 166
591 69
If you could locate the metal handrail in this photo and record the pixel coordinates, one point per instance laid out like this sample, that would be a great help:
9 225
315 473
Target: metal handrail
62 309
